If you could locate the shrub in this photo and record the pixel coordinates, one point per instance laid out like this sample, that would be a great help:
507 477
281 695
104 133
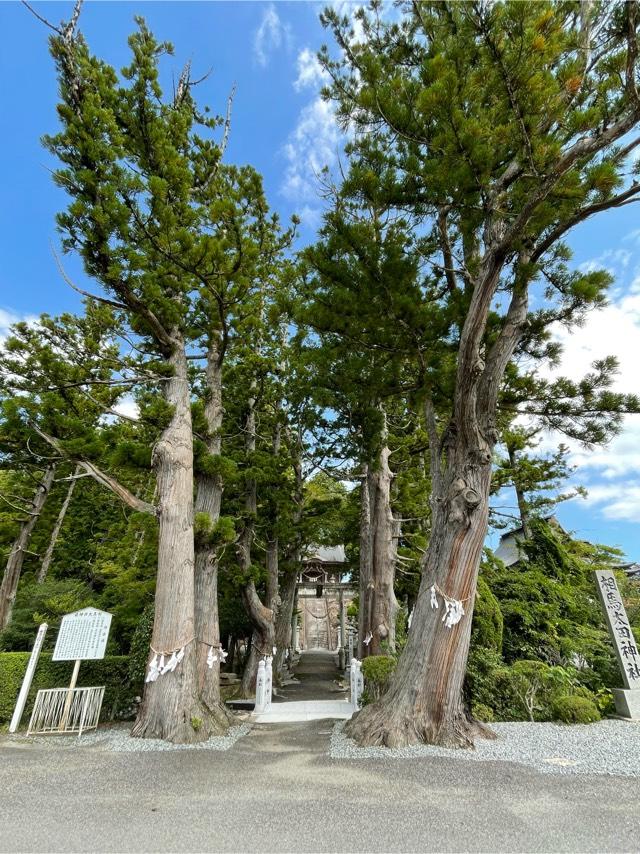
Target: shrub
377 671
483 713
481 683
487 625
575 709
139 653
111 671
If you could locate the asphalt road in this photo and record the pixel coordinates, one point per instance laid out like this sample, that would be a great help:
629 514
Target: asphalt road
277 790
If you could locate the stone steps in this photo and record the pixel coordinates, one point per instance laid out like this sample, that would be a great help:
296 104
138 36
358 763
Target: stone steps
305 710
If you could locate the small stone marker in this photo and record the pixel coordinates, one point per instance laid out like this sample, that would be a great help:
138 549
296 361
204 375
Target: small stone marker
82 635
627 699
260 687
356 682
268 683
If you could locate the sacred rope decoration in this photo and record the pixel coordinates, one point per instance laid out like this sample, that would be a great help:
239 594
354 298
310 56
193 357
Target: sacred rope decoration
216 653
159 665
453 609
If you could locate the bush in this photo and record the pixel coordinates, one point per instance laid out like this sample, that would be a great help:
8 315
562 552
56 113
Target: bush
535 685
377 671
483 713
480 686
111 671
139 654
575 709
487 625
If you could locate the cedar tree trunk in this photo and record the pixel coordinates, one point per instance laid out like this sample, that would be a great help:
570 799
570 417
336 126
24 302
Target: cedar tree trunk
48 555
209 501
378 604
262 618
424 702
11 577
171 708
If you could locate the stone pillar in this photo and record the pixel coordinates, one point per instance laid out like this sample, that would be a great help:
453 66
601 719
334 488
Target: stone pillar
341 643
268 683
356 682
627 699
259 707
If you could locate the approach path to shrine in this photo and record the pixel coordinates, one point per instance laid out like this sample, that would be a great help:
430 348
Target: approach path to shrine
277 789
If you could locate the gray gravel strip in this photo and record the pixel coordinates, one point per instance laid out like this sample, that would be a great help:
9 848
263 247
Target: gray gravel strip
118 740
610 747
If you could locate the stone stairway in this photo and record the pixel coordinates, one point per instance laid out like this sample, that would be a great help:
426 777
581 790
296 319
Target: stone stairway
315 695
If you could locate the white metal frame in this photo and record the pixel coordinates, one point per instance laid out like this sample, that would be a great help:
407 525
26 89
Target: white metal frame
53 714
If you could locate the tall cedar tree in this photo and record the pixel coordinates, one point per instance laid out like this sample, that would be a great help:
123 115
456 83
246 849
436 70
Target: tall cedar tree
507 125
137 168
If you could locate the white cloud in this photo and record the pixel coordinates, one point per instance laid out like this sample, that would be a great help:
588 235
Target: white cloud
8 317
310 73
312 145
310 216
611 474
271 35
619 501
613 330
127 407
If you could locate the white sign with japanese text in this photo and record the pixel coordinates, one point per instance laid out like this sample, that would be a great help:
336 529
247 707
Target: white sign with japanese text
83 635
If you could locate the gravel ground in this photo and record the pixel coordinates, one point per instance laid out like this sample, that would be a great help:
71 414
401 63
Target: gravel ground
118 740
609 747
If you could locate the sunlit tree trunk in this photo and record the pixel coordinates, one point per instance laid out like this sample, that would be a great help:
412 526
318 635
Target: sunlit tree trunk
171 708
207 504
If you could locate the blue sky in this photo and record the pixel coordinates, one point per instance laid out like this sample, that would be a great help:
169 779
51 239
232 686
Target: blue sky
281 127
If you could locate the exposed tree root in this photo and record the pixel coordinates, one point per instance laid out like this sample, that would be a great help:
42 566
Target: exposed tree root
186 728
379 726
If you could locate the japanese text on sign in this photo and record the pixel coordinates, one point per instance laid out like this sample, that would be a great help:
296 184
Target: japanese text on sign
619 628
82 634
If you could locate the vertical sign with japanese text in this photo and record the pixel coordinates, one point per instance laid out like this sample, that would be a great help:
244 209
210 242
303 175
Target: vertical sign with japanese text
619 627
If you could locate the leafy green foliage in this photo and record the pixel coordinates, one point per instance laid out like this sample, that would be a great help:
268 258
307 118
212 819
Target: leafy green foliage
487 626
111 671
575 709
377 670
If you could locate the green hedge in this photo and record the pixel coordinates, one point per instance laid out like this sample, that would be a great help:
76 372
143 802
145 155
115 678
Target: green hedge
111 671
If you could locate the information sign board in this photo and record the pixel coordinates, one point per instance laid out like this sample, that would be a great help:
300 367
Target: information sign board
83 635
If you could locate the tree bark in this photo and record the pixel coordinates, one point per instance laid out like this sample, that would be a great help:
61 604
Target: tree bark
378 552
262 618
262 639
424 702
209 501
13 569
171 708
284 617
293 561
365 613
48 555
